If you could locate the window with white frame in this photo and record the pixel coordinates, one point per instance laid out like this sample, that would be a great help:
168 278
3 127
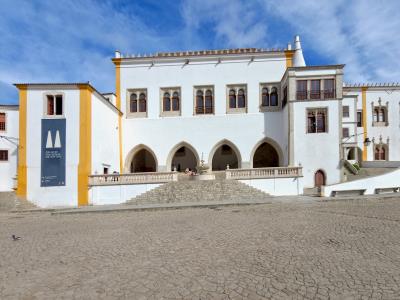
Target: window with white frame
204 100
3 155
170 101
2 121
137 103
54 105
236 98
346 111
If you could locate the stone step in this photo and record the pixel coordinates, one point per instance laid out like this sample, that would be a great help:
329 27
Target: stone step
199 191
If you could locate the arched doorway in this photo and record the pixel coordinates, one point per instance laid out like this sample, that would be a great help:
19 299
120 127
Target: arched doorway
184 158
143 161
225 155
319 178
265 156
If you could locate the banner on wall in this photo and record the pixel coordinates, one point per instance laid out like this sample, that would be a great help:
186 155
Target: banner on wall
53 152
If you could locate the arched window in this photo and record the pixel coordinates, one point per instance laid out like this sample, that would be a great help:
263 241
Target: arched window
380 152
376 113
232 99
175 101
381 116
208 103
133 103
166 102
274 96
264 97
241 99
142 102
199 102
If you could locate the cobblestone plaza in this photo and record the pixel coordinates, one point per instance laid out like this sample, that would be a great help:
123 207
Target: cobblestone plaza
316 250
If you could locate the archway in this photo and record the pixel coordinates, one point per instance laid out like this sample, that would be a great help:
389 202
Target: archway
354 153
265 156
319 178
223 154
140 159
183 156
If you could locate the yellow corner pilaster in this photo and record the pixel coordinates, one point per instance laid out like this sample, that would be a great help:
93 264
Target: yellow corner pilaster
22 172
117 63
289 58
85 143
364 121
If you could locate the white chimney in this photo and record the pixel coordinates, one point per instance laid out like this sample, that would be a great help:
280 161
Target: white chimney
289 46
298 58
117 54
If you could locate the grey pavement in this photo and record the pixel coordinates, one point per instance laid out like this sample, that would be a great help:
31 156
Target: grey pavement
347 249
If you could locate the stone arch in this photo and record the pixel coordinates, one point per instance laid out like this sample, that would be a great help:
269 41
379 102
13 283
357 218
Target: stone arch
274 146
134 151
235 151
173 151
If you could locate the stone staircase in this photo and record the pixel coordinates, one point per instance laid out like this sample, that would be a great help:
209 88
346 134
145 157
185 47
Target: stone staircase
200 191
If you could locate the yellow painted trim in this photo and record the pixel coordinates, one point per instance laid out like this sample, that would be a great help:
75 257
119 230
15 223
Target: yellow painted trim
289 58
22 172
364 120
85 143
117 63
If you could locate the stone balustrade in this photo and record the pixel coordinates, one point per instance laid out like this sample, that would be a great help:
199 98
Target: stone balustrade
133 178
278 172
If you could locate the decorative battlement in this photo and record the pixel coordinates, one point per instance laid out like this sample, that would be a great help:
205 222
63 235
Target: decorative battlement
373 84
202 52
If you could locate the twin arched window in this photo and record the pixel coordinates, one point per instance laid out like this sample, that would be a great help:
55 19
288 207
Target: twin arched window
379 114
138 102
204 101
171 103
269 99
237 98
380 152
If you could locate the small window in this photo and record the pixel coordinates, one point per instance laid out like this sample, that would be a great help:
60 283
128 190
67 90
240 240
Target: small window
264 97
137 103
284 100
237 101
380 116
317 120
301 92
204 101
166 102
3 155
2 122
274 96
199 102
380 152
345 132
208 102
105 170
232 99
170 101
359 119
346 111
329 88
175 101
315 92
54 105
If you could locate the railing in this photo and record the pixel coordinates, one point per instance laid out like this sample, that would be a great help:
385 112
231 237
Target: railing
264 173
134 178
316 94
204 109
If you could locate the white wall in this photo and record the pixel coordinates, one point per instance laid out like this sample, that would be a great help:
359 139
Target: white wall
116 194
244 130
58 195
317 151
105 142
370 184
8 169
278 186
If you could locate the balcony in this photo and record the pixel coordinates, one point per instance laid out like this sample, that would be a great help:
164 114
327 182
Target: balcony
316 94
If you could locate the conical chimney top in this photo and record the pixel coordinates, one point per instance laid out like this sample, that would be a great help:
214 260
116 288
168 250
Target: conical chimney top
298 58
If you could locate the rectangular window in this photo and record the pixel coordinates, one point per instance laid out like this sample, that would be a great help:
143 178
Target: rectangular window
315 92
3 155
2 122
317 120
345 132
329 88
301 89
54 105
359 119
346 111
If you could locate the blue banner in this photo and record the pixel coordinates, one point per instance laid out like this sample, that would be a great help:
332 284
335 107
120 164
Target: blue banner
53 152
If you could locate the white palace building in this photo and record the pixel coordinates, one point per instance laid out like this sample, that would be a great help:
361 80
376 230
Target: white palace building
258 116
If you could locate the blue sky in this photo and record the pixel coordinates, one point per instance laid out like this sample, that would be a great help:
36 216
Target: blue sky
73 40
